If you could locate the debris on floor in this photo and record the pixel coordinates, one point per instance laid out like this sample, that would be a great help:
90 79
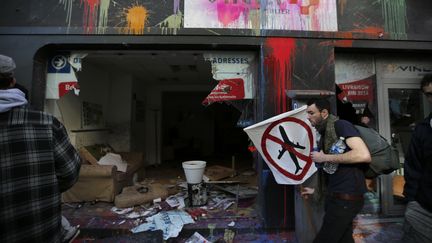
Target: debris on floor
170 222
163 204
138 194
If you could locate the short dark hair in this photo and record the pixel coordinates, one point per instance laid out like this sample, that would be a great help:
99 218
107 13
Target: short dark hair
5 80
321 104
426 81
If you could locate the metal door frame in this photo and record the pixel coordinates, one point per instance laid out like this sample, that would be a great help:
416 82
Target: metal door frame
383 85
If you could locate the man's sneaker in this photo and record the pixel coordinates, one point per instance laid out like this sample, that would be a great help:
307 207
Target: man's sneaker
71 234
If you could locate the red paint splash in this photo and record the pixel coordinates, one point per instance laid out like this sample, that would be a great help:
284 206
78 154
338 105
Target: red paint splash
90 14
338 43
343 43
370 30
279 61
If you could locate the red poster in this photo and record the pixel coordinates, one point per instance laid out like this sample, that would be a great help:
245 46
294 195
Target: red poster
361 90
227 89
65 87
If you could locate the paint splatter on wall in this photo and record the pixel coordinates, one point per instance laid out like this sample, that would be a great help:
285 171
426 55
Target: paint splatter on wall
171 24
176 6
310 15
136 19
90 14
68 7
95 14
103 16
278 63
342 5
394 13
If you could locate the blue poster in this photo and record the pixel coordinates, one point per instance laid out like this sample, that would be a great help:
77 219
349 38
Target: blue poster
59 64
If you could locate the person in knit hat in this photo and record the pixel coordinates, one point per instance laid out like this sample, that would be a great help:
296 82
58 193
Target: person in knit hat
37 163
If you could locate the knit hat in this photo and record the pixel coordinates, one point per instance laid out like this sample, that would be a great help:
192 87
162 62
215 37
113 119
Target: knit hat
7 64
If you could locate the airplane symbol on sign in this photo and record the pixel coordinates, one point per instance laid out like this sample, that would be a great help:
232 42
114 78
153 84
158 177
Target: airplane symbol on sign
283 150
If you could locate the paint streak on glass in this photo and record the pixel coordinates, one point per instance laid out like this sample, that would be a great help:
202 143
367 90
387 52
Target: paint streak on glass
136 18
279 64
342 4
394 12
68 7
90 14
103 16
176 6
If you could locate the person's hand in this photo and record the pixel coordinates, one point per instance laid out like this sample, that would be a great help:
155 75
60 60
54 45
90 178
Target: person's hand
306 192
318 157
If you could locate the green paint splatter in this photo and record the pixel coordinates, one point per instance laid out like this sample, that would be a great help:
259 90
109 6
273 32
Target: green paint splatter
394 12
103 16
255 16
171 24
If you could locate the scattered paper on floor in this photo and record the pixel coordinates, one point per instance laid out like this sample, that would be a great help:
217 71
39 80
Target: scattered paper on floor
170 222
197 238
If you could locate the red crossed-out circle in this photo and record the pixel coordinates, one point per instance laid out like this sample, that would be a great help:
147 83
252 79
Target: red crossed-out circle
266 136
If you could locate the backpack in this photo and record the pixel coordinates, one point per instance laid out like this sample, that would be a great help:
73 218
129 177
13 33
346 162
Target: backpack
385 158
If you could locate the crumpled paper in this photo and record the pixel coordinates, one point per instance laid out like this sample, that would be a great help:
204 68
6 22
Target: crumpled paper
170 222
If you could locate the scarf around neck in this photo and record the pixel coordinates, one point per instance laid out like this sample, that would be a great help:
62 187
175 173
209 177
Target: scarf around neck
10 98
330 136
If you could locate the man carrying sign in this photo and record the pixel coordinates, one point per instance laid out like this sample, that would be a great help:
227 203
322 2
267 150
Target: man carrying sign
346 185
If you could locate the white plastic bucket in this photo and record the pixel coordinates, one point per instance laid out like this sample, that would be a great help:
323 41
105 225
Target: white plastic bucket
194 171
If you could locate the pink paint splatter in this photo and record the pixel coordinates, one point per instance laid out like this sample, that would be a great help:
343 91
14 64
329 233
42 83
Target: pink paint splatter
230 12
176 6
279 62
90 14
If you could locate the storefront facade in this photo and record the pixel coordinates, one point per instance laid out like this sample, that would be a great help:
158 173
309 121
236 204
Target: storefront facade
373 50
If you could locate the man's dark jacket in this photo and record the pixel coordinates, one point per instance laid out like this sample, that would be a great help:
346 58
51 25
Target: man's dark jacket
418 165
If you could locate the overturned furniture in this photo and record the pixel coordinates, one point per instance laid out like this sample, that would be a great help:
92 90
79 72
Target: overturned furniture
103 182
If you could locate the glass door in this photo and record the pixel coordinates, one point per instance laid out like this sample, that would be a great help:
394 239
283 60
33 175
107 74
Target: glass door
404 106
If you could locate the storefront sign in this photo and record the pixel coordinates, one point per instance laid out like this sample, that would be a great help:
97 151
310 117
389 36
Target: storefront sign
235 73
61 76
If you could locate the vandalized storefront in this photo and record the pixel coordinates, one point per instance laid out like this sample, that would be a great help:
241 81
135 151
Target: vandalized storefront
163 82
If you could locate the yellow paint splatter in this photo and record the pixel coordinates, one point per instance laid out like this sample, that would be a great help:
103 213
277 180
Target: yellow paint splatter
136 18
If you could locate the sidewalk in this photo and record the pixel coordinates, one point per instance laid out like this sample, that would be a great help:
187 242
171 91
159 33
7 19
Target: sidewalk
375 228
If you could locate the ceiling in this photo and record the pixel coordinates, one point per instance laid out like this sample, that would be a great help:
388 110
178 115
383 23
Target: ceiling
186 67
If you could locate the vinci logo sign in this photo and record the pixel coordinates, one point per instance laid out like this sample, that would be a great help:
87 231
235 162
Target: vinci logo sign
403 69
61 76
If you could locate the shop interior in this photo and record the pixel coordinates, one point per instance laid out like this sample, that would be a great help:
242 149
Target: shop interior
146 109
